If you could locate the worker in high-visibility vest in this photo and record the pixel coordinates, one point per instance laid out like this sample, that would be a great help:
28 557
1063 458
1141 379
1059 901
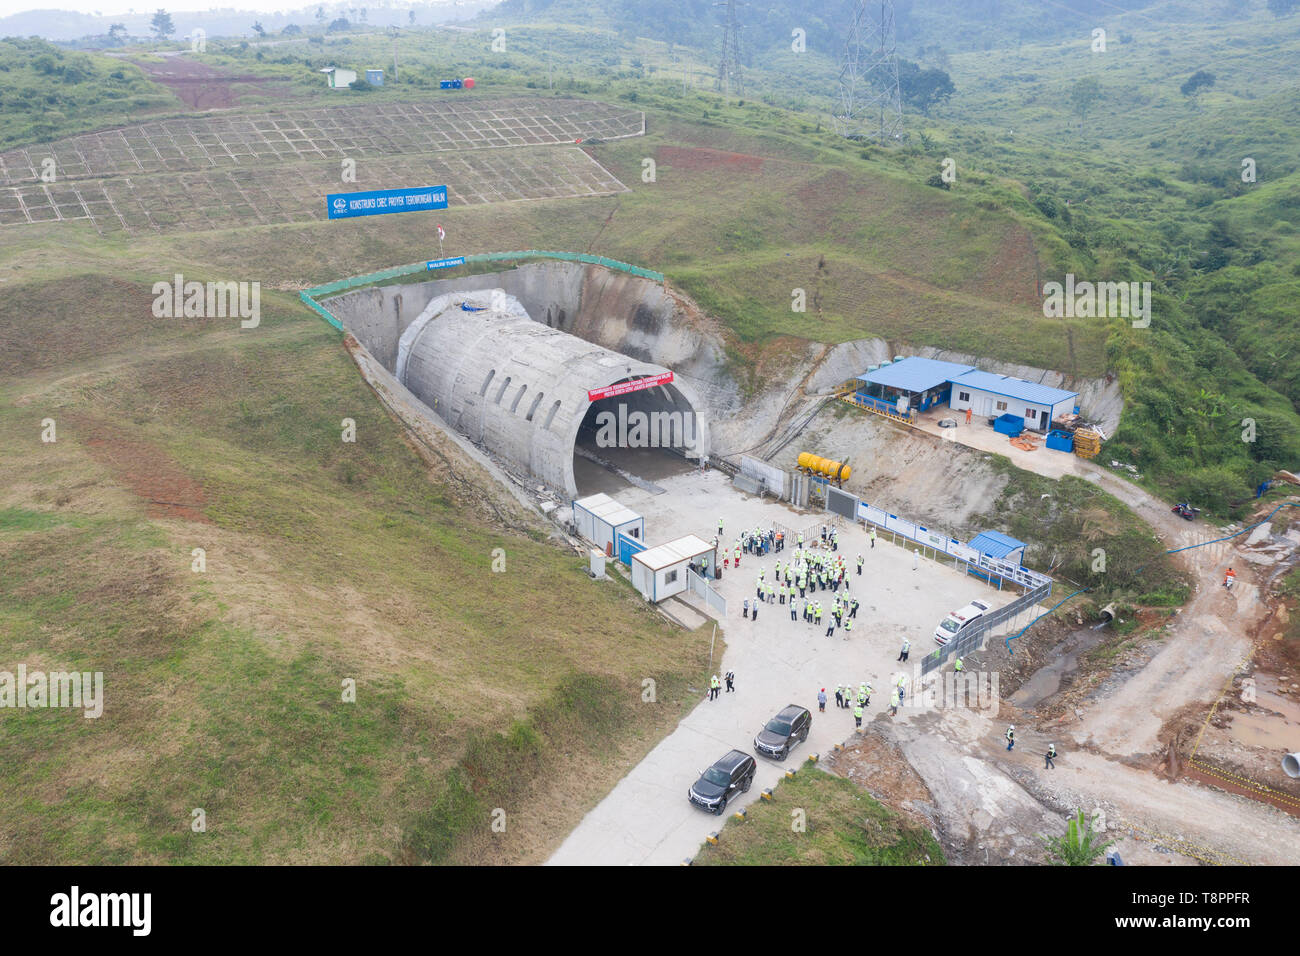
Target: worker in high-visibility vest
860 559
857 716
893 703
907 647
1011 737
714 686
957 666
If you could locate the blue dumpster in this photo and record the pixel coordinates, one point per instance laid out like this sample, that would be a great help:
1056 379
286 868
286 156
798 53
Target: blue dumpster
1060 440
1011 425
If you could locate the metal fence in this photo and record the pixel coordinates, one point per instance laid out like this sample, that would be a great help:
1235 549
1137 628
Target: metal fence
712 599
978 632
773 479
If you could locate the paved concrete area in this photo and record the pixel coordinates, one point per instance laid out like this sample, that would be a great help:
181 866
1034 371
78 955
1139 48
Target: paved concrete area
646 819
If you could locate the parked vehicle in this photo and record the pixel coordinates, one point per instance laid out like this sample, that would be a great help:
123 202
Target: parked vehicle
952 626
732 774
780 734
1184 510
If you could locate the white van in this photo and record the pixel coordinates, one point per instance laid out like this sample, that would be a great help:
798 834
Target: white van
952 626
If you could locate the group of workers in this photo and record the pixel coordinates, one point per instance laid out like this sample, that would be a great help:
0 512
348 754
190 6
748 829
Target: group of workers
807 573
858 702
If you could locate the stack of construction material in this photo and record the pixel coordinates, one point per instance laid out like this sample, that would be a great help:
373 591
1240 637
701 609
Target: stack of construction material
1086 443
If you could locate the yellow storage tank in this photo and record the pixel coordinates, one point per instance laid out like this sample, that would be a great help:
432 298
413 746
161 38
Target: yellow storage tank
824 466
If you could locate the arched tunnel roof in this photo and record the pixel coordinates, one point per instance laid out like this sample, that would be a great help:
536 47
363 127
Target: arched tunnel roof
516 386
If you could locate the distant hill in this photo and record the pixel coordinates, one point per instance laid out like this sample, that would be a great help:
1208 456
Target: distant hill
65 26
956 25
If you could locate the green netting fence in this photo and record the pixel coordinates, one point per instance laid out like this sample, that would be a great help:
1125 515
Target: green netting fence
309 296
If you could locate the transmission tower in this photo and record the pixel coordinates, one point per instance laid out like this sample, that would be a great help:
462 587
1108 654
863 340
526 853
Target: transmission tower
870 106
729 64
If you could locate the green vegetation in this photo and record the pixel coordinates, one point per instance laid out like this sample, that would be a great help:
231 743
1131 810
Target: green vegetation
46 92
1079 846
817 819
326 561
1085 536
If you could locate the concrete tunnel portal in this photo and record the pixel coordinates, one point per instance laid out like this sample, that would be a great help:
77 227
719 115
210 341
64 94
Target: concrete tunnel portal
524 391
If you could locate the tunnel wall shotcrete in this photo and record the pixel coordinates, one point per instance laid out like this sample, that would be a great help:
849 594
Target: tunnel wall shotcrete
519 387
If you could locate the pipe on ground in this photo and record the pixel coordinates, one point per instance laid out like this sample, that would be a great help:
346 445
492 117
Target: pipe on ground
1291 764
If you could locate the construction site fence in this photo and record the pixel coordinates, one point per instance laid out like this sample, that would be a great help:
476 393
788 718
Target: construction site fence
701 588
773 479
937 543
309 296
977 633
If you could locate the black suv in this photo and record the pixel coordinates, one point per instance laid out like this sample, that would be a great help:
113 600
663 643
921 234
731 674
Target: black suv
731 774
783 731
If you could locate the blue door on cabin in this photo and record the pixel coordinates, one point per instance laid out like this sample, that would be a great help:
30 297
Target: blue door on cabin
628 546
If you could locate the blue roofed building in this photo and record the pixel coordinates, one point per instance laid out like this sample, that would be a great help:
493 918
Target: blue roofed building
919 382
998 545
907 386
990 395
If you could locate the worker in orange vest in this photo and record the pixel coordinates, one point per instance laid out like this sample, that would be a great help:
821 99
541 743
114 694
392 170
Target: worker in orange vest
1229 578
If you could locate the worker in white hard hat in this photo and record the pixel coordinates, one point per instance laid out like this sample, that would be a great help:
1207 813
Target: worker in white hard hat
1011 737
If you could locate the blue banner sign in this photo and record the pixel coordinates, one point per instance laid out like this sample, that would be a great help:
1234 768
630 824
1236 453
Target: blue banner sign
381 201
444 263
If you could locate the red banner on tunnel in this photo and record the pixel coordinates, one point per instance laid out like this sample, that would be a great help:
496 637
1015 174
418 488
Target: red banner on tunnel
622 388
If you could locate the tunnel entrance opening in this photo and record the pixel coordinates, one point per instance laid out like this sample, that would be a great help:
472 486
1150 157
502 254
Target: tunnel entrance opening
635 440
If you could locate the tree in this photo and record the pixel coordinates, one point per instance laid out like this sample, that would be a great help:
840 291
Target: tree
923 88
410 17
320 14
117 33
162 25
1079 847
291 30
1201 79
1084 94
340 24
258 28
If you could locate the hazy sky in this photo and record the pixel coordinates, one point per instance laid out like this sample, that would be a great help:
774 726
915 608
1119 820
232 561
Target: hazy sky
117 7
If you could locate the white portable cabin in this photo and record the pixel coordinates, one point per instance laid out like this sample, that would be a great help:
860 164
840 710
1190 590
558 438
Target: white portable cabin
599 519
337 78
987 394
660 572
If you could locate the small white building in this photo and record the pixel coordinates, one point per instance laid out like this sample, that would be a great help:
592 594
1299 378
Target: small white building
991 395
337 78
660 572
599 519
